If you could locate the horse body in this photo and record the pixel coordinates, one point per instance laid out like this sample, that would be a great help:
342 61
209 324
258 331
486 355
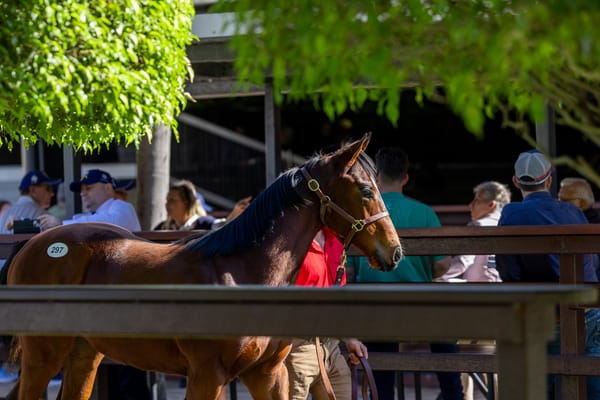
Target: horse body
265 245
123 257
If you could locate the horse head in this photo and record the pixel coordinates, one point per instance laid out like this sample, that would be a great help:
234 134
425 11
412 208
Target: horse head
351 204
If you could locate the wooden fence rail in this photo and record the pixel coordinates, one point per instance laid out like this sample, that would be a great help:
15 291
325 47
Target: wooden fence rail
514 315
520 318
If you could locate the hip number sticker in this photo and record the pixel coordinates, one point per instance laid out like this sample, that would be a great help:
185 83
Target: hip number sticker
57 250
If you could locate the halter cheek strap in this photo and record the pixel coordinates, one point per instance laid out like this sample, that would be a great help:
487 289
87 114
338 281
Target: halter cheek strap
356 225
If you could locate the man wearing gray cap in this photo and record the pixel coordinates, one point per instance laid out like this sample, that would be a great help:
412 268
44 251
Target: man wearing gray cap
533 177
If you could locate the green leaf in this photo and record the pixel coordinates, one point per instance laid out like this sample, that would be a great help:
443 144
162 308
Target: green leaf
92 63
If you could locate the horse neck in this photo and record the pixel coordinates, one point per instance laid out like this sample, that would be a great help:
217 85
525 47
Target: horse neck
295 232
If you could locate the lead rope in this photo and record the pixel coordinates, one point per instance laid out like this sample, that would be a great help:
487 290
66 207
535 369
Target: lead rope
323 372
338 281
339 274
368 381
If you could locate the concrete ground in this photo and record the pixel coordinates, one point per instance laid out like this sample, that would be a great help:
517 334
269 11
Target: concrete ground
429 391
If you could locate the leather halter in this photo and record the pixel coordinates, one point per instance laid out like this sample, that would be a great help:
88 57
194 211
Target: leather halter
356 225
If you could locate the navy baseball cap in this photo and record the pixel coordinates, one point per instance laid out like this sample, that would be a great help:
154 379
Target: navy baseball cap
91 177
37 177
124 185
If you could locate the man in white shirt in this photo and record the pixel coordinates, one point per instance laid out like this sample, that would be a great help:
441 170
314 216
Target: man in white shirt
97 190
36 195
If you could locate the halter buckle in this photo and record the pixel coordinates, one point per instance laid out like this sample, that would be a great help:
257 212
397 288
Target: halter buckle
358 225
313 185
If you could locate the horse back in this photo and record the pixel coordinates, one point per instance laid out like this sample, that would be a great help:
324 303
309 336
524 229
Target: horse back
63 255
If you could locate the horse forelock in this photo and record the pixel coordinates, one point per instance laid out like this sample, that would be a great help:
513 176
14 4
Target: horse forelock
250 228
368 164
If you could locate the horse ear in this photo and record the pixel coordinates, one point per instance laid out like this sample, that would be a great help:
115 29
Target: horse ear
354 149
365 140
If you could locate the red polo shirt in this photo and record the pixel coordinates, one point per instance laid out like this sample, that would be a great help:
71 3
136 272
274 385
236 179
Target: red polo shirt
320 265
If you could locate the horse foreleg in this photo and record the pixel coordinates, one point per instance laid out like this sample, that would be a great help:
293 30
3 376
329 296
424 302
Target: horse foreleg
267 383
79 371
268 379
206 384
41 359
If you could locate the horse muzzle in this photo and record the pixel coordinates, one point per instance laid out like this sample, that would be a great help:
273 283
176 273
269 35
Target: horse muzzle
397 256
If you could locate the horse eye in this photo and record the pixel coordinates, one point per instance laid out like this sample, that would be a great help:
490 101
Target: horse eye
367 192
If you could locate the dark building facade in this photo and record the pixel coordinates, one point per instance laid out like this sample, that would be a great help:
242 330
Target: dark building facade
446 159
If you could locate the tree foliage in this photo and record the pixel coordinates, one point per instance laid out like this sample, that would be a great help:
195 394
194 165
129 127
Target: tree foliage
90 73
484 58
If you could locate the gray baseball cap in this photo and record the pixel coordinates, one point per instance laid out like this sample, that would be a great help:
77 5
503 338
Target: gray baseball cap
532 168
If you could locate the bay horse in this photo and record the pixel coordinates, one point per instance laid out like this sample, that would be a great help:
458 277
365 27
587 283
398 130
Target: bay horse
266 244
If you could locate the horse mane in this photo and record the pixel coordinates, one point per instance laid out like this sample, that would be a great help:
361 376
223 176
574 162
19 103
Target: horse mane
251 227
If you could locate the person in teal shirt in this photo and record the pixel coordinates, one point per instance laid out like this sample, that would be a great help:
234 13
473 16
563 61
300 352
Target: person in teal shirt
392 175
405 213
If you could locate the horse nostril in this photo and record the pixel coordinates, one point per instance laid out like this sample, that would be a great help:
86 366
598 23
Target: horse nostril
397 255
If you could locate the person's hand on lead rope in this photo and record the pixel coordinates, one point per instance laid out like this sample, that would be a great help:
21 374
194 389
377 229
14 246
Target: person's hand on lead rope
356 349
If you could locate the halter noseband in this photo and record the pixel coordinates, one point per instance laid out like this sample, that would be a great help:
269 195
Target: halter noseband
356 225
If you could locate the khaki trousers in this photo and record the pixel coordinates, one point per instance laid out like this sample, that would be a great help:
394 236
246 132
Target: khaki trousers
304 374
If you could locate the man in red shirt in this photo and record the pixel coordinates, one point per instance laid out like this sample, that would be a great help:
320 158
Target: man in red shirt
320 265
320 269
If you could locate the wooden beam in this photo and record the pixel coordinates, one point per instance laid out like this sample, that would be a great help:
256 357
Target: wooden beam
519 317
272 136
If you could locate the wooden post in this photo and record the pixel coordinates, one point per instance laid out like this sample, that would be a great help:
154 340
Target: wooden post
272 136
71 172
153 173
545 136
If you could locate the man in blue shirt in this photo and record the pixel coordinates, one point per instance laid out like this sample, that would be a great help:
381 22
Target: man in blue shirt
533 177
